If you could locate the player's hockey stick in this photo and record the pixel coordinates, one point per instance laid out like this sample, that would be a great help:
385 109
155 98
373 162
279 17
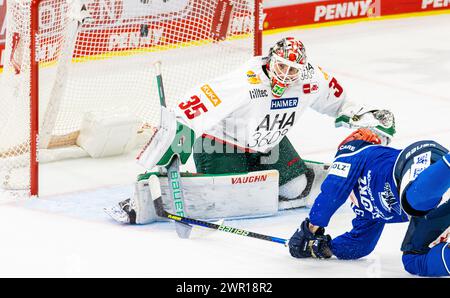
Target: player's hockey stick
173 169
159 208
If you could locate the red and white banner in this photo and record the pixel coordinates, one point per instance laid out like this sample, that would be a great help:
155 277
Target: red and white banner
120 25
292 13
337 10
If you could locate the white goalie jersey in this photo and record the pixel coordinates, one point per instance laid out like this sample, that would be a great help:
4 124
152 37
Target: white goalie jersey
239 107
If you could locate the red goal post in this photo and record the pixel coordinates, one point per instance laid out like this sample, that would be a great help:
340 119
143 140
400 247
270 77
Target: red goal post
56 71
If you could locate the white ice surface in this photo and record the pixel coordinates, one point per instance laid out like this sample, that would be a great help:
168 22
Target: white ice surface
403 65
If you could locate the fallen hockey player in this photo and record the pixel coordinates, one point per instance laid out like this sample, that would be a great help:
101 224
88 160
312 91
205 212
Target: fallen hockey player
385 185
239 123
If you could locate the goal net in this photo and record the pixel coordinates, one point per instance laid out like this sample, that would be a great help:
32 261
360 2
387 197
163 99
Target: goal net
66 59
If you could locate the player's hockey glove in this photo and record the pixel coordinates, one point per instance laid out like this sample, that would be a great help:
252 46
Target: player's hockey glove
306 244
382 122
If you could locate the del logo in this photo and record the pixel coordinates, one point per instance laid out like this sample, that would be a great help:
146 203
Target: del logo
283 103
311 88
253 78
251 179
340 169
212 96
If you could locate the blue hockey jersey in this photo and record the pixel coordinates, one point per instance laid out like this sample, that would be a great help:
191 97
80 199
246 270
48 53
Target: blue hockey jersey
363 172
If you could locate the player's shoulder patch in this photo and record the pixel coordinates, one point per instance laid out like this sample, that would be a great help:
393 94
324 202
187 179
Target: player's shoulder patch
253 78
341 169
253 70
352 147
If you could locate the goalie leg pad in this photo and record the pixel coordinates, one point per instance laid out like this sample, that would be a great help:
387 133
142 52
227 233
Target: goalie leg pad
245 195
142 203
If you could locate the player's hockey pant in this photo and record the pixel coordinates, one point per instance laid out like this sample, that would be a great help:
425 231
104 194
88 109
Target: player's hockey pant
427 190
424 192
418 258
212 156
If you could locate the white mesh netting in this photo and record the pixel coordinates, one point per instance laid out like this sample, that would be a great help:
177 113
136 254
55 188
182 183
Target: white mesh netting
108 64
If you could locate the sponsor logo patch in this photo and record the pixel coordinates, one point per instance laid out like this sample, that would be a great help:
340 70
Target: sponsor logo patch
347 147
251 179
281 121
211 95
311 88
419 147
258 93
421 162
253 78
325 75
388 199
283 103
340 169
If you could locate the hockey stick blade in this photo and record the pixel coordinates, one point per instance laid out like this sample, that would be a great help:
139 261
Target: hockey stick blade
183 229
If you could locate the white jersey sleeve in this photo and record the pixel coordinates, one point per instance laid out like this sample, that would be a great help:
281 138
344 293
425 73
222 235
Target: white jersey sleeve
332 100
332 96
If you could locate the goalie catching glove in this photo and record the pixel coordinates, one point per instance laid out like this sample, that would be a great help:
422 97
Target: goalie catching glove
382 122
306 244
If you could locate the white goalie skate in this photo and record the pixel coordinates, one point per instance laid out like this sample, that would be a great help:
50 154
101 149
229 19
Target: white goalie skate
122 212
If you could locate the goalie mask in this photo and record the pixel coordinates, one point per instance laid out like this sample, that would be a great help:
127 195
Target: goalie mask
285 64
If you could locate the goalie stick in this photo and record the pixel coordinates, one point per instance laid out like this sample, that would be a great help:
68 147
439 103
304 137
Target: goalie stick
173 169
155 192
159 208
